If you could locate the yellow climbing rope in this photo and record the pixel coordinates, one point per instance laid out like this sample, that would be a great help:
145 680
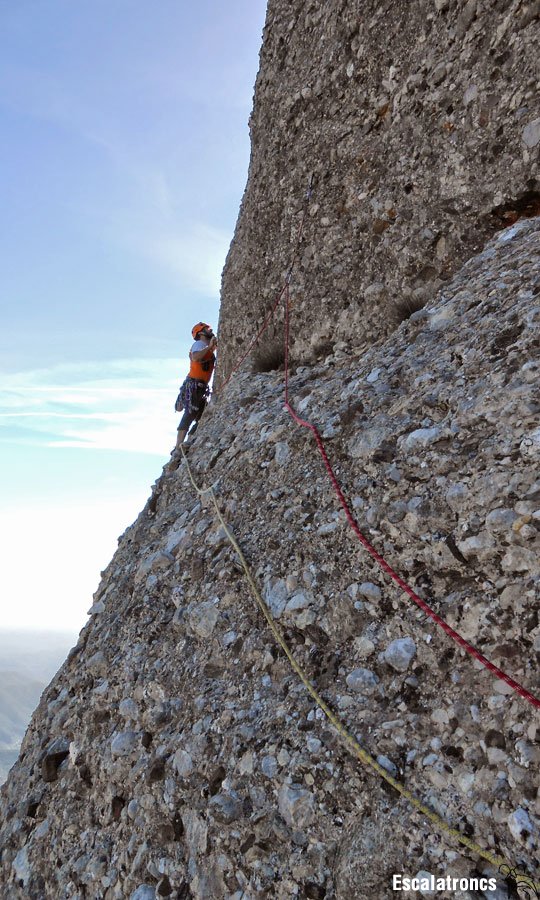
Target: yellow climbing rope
352 744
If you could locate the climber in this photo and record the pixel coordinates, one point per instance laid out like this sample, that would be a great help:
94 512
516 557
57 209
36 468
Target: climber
194 392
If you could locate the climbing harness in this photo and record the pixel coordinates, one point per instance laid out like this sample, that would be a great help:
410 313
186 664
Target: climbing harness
350 741
192 393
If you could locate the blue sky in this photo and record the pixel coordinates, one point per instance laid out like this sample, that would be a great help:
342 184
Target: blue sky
124 150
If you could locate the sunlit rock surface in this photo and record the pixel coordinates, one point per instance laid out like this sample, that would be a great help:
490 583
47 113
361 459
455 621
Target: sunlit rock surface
177 754
420 125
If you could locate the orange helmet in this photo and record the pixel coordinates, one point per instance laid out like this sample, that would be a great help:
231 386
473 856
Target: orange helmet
200 326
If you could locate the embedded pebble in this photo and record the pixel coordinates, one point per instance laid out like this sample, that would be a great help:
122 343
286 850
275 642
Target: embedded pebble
400 653
125 743
296 805
363 681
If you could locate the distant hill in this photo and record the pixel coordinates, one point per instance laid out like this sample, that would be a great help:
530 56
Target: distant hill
28 661
37 654
19 697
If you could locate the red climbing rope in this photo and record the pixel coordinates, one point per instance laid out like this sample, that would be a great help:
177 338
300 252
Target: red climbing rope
270 314
266 323
284 292
518 688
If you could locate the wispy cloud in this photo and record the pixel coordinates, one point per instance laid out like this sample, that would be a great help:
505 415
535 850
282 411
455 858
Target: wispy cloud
196 257
117 405
149 211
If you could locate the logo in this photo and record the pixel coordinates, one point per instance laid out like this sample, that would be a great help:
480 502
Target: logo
525 887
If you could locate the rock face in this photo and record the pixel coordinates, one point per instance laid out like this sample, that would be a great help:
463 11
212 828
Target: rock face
177 754
420 124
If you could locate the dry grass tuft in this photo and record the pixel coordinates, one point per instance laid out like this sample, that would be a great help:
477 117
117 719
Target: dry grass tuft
268 358
404 308
323 349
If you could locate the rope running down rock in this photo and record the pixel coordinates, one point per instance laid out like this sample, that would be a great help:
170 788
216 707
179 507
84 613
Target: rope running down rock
515 685
350 741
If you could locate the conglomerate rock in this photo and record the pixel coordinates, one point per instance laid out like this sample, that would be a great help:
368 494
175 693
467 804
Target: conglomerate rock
177 754
420 124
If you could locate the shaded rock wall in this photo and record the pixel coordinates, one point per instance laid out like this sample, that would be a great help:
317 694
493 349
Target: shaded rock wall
420 123
177 755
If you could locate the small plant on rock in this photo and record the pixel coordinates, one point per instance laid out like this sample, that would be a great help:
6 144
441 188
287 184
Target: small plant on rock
268 358
405 307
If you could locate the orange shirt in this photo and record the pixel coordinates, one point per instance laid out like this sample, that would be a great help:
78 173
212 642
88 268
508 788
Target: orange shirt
201 369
